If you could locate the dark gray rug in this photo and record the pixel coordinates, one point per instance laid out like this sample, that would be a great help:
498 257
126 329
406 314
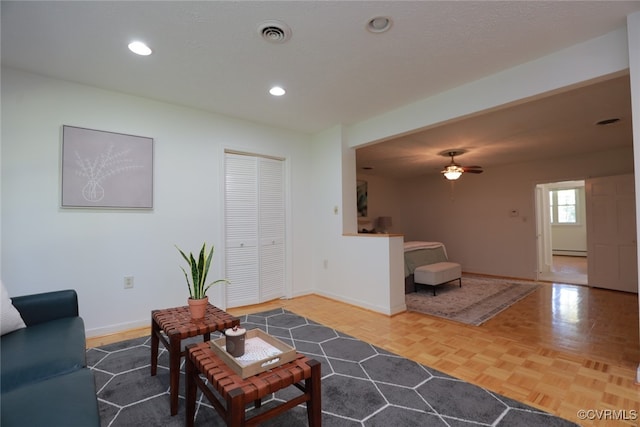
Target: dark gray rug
362 385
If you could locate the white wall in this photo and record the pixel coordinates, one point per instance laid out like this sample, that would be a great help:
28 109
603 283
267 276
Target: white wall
472 215
633 25
45 247
364 271
382 201
593 59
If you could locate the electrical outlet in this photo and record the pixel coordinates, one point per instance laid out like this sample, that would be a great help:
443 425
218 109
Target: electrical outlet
326 263
128 282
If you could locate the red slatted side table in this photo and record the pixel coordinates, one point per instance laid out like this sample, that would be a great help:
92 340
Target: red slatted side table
303 373
176 323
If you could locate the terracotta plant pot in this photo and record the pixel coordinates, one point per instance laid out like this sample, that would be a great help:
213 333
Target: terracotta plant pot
198 307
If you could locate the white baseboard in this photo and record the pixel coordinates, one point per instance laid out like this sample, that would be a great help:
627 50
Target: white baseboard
126 326
120 327
398 309
303 293
358 303
393 310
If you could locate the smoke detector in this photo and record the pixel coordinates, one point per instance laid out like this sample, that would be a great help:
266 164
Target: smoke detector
274 31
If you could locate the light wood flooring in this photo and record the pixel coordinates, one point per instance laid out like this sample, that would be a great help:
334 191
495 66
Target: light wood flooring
567 269
563 349
565 264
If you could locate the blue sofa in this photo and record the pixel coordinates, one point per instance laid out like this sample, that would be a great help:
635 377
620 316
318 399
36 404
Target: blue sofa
44 378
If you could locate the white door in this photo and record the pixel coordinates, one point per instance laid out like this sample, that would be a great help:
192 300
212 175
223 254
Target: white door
254 228
611 235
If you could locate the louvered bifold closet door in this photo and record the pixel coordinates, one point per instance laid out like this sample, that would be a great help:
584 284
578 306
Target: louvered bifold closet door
241 217
272 228
255 229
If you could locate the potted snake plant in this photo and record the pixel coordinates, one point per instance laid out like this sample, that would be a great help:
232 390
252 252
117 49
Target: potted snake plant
197 283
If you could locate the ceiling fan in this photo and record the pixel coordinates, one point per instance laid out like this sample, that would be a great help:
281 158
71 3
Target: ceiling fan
453 171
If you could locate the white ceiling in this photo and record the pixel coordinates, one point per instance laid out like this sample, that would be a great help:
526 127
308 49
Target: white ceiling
209 55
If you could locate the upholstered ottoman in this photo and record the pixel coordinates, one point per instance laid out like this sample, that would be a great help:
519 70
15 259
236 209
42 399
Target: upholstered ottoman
437 274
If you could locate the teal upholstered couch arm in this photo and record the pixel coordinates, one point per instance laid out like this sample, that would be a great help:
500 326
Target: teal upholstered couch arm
44 378
47 306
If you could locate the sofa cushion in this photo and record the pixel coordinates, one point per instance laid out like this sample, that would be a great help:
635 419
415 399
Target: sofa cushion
42 351
10 318
66 400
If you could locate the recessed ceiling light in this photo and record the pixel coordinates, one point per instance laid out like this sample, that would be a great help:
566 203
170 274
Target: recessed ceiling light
277 91
379 24
139 48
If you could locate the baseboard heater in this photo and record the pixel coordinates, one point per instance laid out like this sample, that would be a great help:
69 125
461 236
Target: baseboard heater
569 252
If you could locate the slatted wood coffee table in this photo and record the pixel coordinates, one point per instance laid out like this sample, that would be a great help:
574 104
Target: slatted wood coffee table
302 372
176 323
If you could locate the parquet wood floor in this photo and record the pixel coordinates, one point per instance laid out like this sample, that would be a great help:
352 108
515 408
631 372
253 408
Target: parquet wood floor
567 269
569 264
563 349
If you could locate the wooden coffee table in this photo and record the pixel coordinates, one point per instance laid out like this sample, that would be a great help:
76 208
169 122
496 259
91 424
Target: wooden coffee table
302 372
176 323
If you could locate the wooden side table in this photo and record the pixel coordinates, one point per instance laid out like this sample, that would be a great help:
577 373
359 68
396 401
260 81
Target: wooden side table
176 323
238 392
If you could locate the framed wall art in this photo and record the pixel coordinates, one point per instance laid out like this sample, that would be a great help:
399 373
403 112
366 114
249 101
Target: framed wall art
362 198
106 169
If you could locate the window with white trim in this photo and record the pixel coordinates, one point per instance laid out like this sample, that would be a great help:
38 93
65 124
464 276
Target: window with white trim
564 206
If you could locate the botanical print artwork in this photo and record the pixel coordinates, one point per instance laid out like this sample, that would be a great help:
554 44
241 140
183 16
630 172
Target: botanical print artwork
106 170
99 169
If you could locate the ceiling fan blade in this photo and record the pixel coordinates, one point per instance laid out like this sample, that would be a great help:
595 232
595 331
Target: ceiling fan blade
472 170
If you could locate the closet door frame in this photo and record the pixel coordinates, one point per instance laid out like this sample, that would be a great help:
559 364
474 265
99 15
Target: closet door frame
288 287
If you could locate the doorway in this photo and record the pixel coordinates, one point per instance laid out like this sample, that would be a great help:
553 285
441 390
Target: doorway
562 232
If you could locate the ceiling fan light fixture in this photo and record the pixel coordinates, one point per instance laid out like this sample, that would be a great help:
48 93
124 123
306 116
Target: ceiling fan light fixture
452 172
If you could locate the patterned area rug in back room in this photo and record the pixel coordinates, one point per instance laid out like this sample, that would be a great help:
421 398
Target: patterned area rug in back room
476 301
362 385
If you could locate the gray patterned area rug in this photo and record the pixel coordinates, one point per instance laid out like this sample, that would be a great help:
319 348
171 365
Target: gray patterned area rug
362 385
476 301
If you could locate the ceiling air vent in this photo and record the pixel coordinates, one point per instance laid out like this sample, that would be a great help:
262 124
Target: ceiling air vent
274 31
